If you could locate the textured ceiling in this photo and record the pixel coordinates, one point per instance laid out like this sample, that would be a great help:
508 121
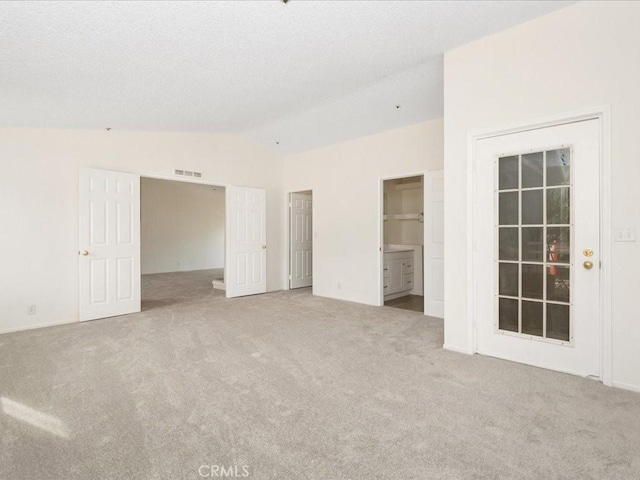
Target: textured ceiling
304 74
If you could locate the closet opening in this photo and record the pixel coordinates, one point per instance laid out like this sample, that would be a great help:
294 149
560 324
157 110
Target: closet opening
403 243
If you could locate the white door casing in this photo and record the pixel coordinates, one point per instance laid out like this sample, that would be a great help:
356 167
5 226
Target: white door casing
301 241
246 241
109 244
580 352
434 244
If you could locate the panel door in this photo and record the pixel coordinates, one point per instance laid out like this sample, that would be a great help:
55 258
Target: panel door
109 241
301 241
434 244
246 241
537 247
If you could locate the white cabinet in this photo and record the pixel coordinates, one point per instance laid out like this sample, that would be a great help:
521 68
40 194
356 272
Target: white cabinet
398 273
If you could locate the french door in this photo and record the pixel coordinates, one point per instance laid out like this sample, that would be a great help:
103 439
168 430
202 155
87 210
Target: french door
537 247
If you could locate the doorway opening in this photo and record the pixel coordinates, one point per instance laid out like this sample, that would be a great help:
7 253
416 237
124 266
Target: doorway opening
182 236
301 239
403 242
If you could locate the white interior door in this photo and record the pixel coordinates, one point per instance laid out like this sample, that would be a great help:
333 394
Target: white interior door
109 244
536 248
434 244
301 243
246 232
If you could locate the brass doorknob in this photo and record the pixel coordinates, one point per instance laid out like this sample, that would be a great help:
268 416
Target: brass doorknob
588 265
84 253
264 247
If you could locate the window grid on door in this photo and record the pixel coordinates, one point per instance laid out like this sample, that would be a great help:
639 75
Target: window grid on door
533 244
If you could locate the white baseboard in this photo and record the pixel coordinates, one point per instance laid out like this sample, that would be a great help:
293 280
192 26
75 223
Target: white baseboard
456 349
626 386
39 325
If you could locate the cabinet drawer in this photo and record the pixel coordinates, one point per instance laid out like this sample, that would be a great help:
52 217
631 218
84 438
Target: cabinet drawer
385 269
385 286
407 281
398 255
407 266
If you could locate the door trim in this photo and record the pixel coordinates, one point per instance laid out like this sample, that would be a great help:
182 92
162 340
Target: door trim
602 114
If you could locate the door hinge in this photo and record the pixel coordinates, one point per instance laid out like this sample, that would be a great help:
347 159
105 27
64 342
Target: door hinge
290 205
289 277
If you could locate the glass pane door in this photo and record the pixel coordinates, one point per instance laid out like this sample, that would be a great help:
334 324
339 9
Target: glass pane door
533 238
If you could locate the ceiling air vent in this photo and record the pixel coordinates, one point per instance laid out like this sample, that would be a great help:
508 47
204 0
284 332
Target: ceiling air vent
187 173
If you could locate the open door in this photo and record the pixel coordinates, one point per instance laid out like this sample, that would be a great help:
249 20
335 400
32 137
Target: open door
300 241
246 233
434 244
109 244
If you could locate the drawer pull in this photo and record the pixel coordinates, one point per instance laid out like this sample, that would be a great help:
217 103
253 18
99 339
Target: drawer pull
386 286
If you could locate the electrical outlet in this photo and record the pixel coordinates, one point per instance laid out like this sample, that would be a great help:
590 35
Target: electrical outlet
31 310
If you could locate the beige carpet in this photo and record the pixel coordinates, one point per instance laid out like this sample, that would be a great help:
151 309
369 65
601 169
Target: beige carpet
290 386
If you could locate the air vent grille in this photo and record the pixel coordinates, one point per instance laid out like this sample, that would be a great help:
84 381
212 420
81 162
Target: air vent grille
187 173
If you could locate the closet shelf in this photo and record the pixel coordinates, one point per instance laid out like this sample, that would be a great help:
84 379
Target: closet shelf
407 216
408 186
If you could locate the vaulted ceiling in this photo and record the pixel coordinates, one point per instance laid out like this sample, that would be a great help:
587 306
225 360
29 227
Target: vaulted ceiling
302 74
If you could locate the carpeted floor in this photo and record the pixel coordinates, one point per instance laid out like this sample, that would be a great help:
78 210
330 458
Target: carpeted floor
291 386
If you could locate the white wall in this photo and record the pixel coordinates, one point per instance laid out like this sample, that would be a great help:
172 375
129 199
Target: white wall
345 179
579 57
39 204
181 226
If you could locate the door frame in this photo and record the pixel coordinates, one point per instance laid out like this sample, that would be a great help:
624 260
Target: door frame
381 181
287 233
602 114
